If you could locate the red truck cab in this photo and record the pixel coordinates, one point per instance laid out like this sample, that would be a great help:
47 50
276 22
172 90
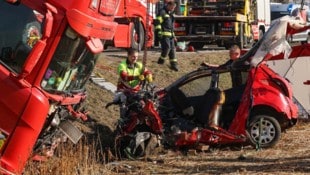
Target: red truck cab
48 50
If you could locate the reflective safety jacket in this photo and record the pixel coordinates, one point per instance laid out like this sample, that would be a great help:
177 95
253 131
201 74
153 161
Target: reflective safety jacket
129 75
164 23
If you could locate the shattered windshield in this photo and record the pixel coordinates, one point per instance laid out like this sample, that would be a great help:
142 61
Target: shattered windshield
71 65
274 40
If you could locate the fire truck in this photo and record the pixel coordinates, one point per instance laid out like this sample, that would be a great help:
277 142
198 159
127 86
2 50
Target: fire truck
48 49
134 29
222 22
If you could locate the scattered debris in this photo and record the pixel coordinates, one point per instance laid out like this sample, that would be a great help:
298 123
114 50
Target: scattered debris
192 152
202 148
101 82
242 157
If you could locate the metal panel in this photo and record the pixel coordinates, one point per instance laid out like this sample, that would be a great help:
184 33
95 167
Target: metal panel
297 71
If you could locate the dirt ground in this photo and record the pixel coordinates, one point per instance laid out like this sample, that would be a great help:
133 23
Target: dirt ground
290 156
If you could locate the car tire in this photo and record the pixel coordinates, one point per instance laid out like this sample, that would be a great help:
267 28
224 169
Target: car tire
130 150
271 131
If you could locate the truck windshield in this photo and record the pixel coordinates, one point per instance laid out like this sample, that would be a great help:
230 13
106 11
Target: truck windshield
20 29
70 66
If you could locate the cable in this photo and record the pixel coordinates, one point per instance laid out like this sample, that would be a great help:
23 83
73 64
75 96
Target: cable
146 33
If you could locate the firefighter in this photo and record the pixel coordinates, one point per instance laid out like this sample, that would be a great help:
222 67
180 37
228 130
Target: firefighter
164 30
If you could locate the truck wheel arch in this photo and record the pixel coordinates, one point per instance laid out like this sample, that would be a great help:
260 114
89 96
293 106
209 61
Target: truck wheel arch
137 36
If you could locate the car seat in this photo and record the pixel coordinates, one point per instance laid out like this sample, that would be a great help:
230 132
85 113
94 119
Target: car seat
181 102
209 112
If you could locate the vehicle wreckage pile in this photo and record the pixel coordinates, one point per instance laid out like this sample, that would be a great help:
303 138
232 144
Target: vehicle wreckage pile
195 109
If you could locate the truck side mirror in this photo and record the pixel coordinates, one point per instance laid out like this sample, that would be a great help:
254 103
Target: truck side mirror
49 19
33 58
48 25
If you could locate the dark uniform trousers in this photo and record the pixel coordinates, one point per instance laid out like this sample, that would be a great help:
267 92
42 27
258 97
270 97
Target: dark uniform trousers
168 48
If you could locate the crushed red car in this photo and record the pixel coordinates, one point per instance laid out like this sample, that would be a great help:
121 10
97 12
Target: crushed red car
200 108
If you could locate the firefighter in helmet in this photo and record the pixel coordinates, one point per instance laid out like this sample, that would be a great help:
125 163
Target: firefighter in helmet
164 30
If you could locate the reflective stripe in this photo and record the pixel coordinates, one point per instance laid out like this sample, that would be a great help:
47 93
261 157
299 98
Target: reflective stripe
158 27
174 60
135 71
161 57
167 33
167 16
160 19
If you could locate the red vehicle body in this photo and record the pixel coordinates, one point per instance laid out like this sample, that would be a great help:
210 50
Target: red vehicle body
254 113
238 118
134 27
48 50
141 123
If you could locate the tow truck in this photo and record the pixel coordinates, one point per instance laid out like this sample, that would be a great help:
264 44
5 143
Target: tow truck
222 22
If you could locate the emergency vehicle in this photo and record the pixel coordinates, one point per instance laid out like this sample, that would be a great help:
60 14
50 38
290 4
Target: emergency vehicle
222 22
48 49
278 10
134 27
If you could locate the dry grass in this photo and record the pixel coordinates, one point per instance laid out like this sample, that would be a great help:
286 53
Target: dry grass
83 158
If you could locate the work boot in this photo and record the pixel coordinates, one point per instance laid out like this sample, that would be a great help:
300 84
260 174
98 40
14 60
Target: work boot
174 66
160 61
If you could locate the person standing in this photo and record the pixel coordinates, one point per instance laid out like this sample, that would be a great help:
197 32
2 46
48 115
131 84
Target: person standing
236 75
164 26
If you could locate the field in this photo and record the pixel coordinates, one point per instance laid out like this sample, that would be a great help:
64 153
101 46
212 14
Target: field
92 156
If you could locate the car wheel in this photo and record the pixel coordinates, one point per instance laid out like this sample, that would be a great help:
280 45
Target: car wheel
264 131
138 145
